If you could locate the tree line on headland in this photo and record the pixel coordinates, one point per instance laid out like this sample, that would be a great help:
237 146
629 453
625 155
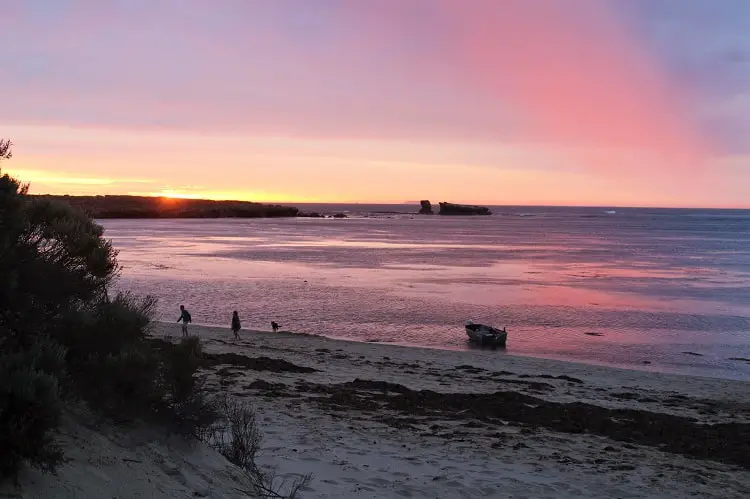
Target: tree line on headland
116 206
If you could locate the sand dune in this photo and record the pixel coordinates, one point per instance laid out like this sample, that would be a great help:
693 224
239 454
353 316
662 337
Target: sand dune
107 462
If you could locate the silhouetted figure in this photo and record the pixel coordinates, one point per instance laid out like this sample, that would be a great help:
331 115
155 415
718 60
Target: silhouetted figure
274 326
236 326
185 318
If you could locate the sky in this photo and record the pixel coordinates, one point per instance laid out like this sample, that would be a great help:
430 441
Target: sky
552 102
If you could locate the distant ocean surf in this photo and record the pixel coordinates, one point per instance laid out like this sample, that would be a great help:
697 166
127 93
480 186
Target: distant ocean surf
664 290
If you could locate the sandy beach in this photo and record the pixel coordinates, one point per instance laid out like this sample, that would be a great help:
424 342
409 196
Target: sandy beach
380 421
371 420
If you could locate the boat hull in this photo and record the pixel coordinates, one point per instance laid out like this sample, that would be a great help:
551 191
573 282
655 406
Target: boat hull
486 336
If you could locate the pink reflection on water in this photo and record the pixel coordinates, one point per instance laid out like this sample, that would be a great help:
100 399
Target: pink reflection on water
405 286
510 282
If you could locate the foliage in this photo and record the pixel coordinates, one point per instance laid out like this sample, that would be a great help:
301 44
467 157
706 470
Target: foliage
237 438
5 152
54 263
61 334
122 374
31 364
123 385
186 406
30 406
106 328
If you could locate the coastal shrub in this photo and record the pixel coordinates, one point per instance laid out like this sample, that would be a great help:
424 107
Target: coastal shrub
107 327
124 386
129 377
12 226
53 264
30 407
5 151
236 436
182 362
114 369
187 405
31 365
59 328
192 415
70 264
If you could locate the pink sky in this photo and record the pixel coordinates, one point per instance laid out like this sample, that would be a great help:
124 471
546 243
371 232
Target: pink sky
515 102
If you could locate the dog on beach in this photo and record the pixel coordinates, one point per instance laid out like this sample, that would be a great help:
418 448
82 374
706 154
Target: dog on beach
275 326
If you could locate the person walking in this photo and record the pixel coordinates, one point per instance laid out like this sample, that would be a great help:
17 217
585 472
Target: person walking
185 318
236 325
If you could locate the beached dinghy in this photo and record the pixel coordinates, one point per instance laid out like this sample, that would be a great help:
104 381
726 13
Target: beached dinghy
486 336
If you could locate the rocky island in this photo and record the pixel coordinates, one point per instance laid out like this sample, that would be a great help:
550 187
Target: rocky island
454 209
426 208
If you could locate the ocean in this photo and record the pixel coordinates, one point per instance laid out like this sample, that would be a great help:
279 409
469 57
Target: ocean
650 289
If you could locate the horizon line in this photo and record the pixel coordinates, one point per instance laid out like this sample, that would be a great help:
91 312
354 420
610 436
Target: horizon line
416 203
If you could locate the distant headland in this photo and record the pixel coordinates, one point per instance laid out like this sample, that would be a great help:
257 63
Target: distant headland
117 206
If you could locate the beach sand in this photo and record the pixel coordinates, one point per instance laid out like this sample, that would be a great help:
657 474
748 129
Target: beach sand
103 461
380 421
372 420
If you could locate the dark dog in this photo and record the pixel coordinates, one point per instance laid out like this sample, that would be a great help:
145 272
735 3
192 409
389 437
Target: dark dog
274 326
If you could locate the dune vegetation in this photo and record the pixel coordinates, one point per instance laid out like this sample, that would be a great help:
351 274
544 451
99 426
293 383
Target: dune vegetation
67 341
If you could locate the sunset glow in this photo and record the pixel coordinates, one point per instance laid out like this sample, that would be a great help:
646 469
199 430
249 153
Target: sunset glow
574 102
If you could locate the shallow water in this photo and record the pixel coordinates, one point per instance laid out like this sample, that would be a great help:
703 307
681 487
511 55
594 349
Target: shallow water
664 290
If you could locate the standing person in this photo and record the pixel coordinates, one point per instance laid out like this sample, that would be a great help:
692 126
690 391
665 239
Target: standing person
185 318
236 326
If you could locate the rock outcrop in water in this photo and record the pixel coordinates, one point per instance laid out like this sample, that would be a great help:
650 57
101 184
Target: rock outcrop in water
463 209
426 208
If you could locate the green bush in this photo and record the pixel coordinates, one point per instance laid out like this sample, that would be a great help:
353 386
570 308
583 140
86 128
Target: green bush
114 369
124 386
30 407
150 381
189 410
106 327
54 263
235 435
58 323
181 366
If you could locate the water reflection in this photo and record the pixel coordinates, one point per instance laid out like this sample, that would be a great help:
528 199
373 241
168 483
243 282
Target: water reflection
651 295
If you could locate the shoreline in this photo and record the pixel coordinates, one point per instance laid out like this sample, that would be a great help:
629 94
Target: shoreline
373 420
500 353
382 420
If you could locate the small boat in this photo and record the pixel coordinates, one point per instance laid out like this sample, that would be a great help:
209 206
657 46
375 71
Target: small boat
486 336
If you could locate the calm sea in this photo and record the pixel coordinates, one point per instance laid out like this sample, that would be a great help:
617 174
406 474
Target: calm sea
662 290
